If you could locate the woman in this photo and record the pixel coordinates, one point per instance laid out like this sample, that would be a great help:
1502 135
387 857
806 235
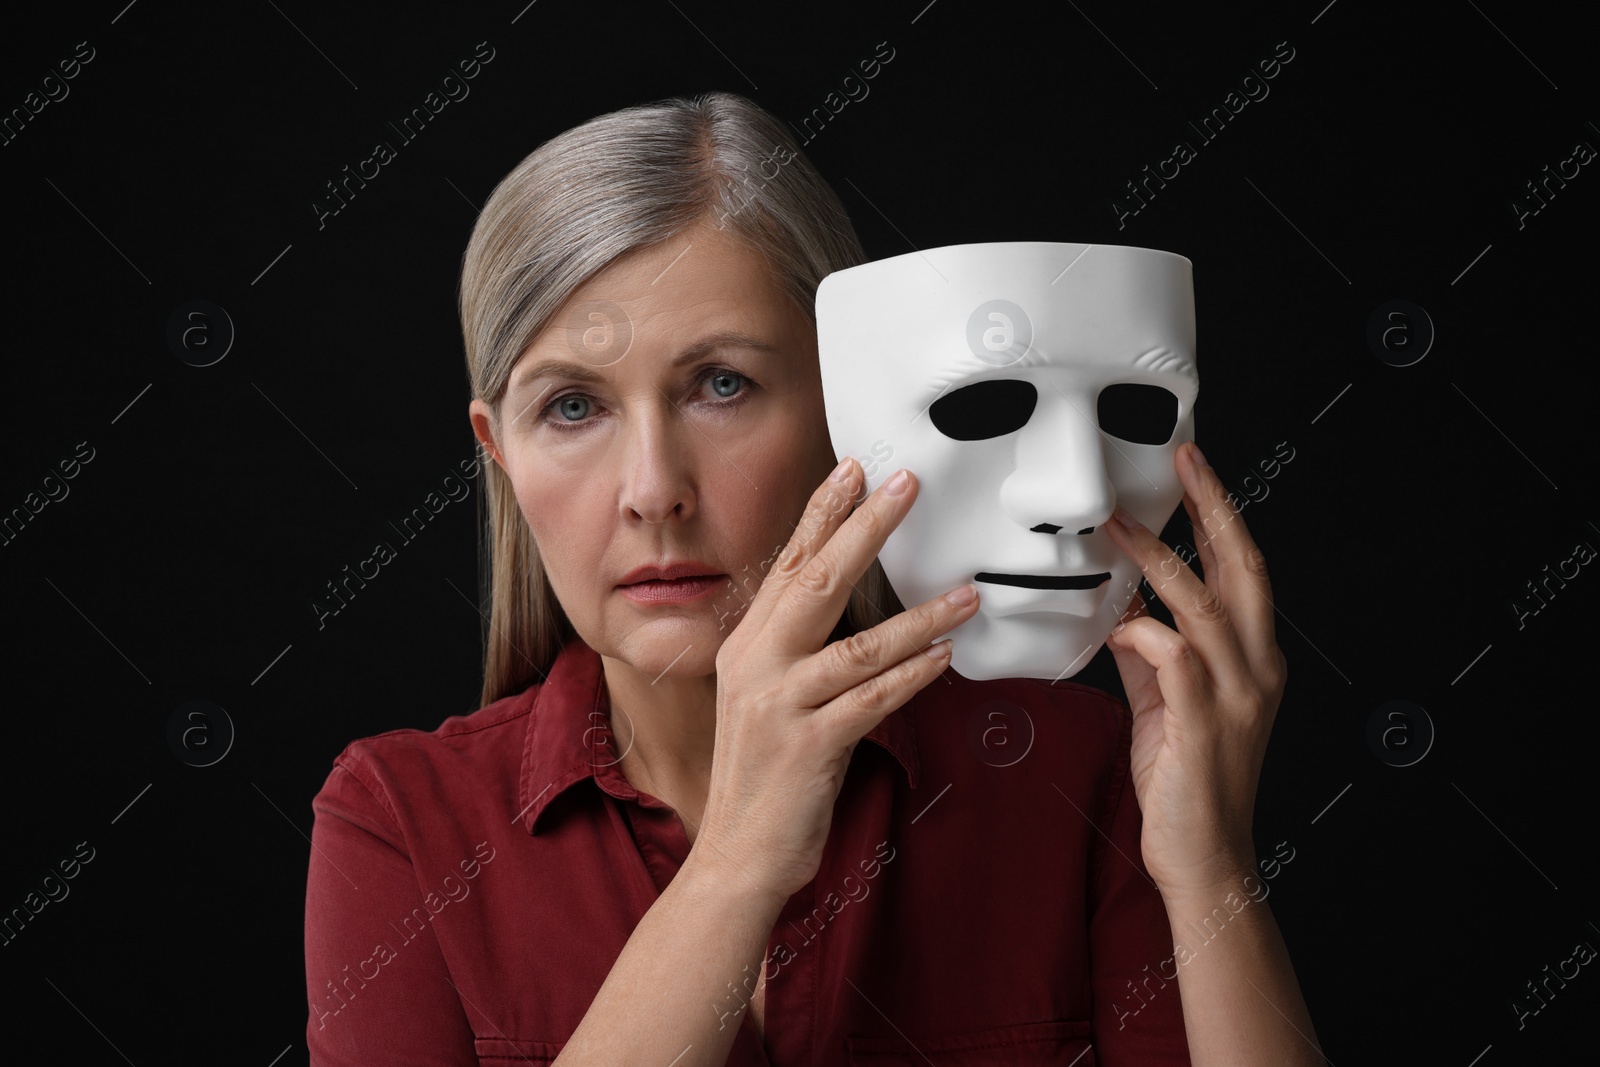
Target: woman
660 840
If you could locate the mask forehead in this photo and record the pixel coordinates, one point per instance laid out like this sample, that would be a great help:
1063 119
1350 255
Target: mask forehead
896 334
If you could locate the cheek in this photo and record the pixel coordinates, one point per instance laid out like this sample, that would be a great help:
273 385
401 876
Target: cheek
760 519
749 525
556 506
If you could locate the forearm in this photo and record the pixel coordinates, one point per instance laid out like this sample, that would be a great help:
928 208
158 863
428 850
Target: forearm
668 995
1241 1001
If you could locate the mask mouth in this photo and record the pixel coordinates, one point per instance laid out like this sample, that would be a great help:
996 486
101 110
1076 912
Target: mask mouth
1045 581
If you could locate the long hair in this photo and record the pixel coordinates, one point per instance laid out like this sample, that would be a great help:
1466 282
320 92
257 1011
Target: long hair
617 183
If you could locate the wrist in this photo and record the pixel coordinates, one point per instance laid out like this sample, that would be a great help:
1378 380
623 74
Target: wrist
707 875
1231 872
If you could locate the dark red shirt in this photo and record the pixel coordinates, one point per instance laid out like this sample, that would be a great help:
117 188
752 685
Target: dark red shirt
981 899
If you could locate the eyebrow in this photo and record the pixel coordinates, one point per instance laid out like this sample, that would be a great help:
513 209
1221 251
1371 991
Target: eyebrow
578 372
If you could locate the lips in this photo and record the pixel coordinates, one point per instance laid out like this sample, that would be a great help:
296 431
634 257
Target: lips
670 570
674 590
1044 581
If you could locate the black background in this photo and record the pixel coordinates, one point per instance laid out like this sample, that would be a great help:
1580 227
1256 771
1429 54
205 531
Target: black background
182 565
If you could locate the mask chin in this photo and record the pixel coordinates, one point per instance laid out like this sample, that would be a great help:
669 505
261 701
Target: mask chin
1025 647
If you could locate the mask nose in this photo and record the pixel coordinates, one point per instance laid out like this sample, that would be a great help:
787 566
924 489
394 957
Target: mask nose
1060 481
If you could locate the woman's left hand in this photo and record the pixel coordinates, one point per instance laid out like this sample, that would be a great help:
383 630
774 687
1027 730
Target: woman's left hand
1204 696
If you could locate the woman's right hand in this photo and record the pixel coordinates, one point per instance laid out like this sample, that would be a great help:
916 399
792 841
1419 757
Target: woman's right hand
790 710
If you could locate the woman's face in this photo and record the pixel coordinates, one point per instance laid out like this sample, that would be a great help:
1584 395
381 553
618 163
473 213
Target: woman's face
671 413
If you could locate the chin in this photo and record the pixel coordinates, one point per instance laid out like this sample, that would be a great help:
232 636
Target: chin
679 647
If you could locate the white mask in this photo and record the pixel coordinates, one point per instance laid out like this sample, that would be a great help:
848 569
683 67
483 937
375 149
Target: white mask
987 371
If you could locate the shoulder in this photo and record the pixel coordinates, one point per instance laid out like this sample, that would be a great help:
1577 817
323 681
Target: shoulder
458 736
461 764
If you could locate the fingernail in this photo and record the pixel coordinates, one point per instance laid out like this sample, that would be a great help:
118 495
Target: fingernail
840 471
897 485
963 596
1198 456
941 650
1128 521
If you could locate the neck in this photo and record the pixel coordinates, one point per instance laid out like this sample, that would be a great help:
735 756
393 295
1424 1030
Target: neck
666 730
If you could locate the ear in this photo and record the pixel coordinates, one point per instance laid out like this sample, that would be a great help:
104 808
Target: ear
482 419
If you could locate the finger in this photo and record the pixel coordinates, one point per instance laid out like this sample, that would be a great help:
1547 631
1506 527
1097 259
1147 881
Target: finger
1234 566
1138 676
861 707
1150 652
814 586
1204 528
1136 607
847 663
1201 616
830 505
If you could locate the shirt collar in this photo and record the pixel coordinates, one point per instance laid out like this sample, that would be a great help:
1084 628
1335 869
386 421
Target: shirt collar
569 737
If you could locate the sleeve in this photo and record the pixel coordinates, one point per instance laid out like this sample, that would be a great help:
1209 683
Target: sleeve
1138 1016
377 984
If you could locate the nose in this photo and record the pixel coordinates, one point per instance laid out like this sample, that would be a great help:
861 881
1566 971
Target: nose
1060 481
657 465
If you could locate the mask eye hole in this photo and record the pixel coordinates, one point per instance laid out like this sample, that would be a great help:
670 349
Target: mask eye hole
1140 413
983 410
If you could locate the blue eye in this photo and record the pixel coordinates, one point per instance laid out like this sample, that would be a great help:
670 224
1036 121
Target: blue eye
729 377
566 404
730 386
